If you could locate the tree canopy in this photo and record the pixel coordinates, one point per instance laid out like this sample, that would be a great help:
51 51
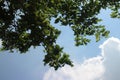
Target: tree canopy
26 23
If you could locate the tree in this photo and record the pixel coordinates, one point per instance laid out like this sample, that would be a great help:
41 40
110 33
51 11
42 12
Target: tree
26 23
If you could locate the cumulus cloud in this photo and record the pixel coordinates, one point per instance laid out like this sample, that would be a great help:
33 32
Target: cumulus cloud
111 54
103 67
91 69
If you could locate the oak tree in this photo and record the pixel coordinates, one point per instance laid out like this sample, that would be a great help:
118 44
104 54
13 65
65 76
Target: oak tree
26 23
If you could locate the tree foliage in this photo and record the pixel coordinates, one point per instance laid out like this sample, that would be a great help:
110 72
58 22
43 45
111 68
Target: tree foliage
26 23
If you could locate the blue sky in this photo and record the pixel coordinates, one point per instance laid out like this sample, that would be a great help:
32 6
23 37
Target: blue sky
29 66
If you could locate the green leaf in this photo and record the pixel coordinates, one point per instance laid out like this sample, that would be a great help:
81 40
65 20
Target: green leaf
97 35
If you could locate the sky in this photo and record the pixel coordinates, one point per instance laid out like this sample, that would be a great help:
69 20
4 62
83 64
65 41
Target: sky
96 61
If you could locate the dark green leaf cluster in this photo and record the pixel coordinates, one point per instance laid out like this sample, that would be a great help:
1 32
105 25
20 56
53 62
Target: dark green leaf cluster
26 23
56 57
115 10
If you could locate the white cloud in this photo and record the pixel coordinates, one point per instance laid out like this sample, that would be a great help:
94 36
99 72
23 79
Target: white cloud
89 70
104 67
111 54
